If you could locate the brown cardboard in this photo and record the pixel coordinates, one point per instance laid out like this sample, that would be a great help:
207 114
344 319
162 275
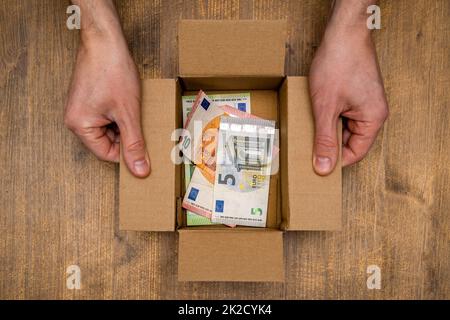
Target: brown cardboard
309 202
230 255
150 204
230 48
298 198
239 83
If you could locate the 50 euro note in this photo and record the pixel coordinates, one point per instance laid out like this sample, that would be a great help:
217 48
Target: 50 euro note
244 159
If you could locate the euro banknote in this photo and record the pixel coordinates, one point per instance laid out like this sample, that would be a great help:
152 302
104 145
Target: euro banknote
199 192
197 140
243 167
240 101
202 204
192 218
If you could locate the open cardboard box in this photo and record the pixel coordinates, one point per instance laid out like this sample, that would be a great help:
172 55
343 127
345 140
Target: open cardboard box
232 56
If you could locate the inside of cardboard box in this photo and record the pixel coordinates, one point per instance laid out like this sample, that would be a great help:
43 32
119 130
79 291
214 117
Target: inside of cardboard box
265 103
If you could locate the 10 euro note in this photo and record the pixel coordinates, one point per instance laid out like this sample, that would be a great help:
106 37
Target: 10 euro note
193 218
197 140
243 168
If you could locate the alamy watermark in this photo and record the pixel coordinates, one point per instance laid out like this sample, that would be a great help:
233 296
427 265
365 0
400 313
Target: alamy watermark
374 279
73 281
74 20
374 20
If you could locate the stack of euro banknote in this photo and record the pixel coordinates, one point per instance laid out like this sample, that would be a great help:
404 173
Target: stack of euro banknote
228 155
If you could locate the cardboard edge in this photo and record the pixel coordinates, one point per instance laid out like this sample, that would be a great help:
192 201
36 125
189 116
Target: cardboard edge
312 226
190 268
127 224
282 24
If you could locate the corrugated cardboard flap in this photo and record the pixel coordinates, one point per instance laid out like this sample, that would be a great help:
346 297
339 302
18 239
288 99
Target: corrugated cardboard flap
231 47
230 255
309 201
150 204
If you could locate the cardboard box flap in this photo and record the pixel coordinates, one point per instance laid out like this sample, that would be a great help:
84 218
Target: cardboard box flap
150 204
309 201
231 47
230 255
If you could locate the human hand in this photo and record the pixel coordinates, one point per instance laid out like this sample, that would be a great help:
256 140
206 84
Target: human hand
103 106
345 81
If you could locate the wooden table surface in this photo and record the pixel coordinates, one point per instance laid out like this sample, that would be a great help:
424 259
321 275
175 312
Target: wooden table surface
59 205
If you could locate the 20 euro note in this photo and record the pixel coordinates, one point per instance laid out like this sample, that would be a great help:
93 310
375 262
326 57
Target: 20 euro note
244 159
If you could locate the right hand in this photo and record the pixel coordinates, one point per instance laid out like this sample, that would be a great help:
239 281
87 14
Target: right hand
103 106
345 80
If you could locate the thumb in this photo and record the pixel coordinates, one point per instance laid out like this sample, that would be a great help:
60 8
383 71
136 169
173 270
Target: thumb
133 144
326 149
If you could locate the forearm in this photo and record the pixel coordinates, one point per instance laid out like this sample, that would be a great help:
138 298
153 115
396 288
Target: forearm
99 21
350 16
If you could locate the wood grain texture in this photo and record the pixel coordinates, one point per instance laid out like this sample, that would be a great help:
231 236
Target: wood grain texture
59 205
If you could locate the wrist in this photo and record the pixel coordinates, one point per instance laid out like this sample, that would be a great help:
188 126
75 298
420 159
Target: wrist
99 22
349 18
91 38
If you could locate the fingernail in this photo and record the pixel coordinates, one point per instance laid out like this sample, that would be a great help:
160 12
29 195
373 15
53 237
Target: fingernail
141 167
322 164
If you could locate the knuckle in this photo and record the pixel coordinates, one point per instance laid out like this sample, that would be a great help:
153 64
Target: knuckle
353 157
101 156
325 98
326 142
128 108
382 113
137 145
359 157
70 121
